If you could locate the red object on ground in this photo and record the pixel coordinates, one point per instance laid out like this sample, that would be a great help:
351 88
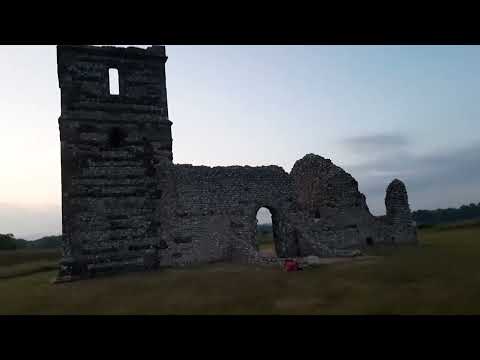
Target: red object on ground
291 265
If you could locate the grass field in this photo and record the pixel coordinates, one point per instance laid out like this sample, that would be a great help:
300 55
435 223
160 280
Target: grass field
26 261
440 276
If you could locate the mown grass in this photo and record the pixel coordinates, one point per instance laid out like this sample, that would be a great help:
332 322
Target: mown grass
27 261
440 276
15 257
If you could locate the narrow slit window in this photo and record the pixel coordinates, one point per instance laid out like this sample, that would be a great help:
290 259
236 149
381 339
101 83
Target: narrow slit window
114 81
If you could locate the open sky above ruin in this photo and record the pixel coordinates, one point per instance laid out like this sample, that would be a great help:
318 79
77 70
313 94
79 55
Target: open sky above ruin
379 112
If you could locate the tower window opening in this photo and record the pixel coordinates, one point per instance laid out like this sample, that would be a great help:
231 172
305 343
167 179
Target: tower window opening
113 80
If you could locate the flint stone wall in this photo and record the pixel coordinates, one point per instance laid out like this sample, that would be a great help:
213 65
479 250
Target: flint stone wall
126 205
216 208
111 148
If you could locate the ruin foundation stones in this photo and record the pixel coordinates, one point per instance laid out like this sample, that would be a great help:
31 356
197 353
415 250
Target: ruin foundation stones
126 205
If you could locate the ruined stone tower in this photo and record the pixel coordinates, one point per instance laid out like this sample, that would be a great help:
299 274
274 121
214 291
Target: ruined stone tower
126 205
111 148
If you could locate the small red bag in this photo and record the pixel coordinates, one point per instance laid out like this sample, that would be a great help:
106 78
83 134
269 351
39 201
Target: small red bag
291 265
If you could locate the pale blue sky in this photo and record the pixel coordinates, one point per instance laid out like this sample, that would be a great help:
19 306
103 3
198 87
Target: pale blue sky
380 112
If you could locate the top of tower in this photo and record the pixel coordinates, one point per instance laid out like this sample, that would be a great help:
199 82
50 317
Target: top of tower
87 74
130 51
157 49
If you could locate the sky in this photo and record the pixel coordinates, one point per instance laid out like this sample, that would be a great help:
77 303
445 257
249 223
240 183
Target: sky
379 112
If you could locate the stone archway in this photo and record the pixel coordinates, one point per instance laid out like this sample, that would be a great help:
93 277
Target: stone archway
280 231
264 239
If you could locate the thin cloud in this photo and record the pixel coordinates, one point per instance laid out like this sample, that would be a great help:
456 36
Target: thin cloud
433 180
375 142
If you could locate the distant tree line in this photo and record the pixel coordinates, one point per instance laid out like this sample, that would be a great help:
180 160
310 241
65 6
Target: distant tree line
264 229
423 218
440 216
9 242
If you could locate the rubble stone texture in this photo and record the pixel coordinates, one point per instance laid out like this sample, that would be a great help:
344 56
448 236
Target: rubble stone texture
126 205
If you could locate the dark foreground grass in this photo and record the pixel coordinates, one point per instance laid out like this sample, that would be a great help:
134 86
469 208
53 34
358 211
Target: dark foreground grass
27 261
441 276
12 258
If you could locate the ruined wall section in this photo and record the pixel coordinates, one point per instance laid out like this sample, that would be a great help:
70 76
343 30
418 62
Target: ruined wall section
399 217
216 208
332 210
112 147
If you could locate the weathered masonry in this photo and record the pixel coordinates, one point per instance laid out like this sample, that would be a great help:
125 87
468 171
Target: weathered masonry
126 205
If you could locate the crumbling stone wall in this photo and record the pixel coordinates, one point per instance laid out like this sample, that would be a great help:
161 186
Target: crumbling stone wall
334 212
215 216
399 217
126 205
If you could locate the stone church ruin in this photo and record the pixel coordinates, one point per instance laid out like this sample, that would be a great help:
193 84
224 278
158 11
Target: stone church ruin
126 205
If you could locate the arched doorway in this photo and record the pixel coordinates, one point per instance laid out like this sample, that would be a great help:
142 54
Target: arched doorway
264 236
272 233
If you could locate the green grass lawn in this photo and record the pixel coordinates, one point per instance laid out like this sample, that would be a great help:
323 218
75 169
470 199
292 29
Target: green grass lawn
27 261
440 276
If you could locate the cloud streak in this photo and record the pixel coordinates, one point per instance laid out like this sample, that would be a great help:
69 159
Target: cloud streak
441 179
376 141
